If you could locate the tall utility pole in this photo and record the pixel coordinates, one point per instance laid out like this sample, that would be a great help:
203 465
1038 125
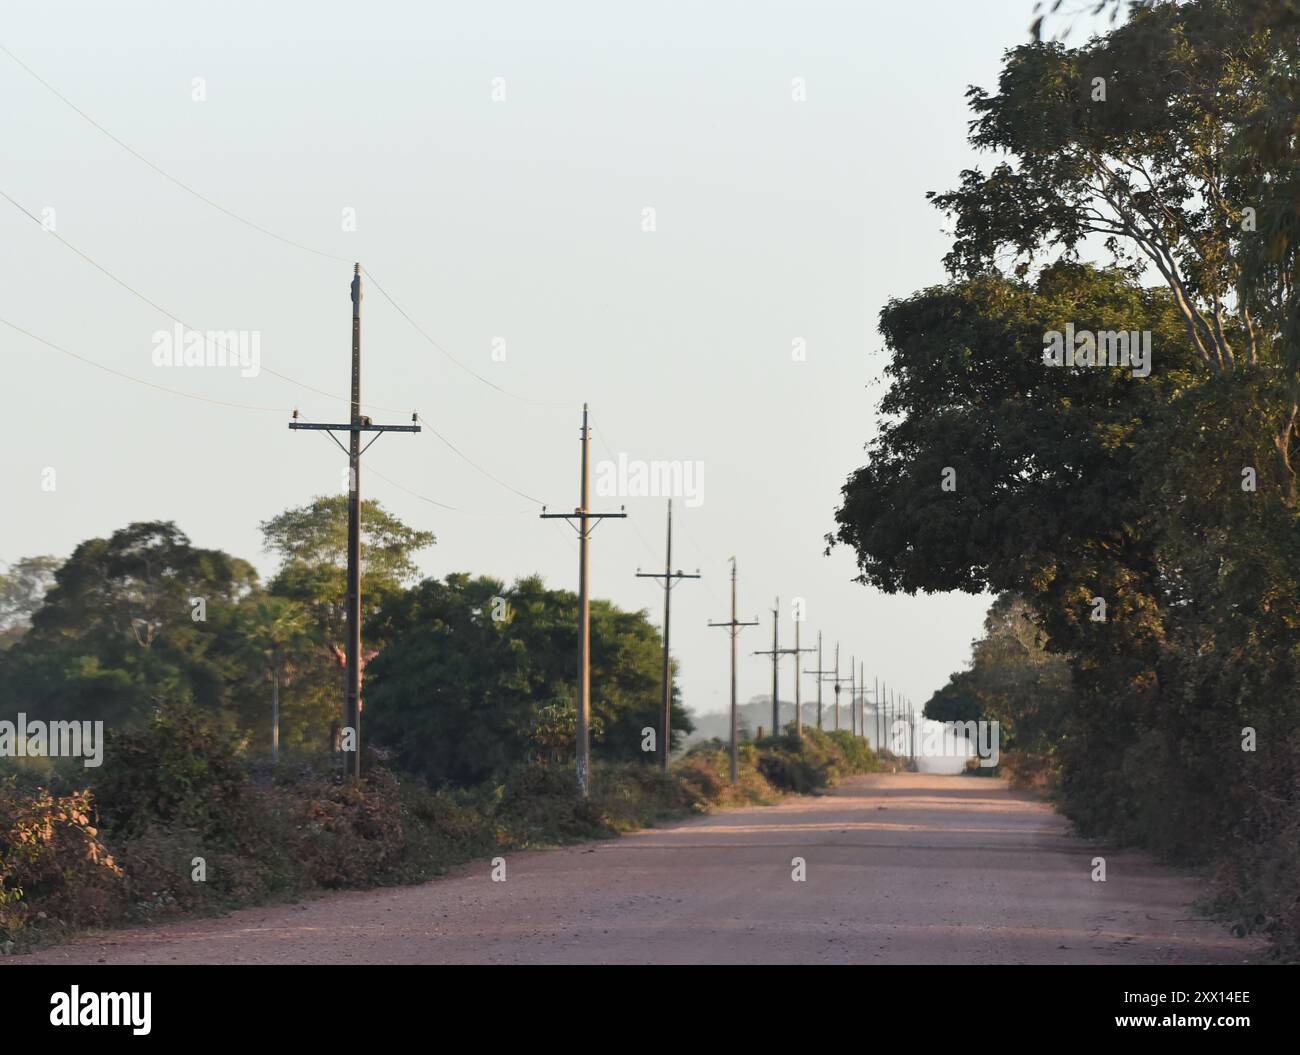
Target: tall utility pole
584 527
776 652
853 695
836 682
880 714
862 704
670 579
798 698
819 672
734 625
357 424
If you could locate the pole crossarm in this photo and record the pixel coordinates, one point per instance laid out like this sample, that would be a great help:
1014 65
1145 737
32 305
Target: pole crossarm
353 428
311 426
672 577
582 516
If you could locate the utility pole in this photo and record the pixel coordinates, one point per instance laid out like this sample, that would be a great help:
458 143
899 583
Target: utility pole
357 424
798 699
776 652
670 579
880 725
862 703
584 527
734 625
853 695
819 672
836 682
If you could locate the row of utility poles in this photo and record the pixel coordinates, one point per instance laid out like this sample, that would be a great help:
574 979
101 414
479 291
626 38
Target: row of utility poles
584 521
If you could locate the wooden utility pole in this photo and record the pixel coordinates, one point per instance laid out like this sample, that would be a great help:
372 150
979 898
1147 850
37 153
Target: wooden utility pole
880 714
798 699
584 526
357 424
819 672
862 704
836 682
670 579
853 695
734 625
776 652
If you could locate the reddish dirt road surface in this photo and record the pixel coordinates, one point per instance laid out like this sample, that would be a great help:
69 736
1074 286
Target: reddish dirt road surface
901 868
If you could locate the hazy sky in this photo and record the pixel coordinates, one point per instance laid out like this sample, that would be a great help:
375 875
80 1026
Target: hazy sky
520 219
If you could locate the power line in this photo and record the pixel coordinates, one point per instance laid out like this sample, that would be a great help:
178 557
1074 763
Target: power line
208 339
469 370
240 406
163 172
469 461
138 380
267 232
159 308
444 505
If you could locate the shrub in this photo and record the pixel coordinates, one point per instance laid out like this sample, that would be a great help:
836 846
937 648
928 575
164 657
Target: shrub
54 870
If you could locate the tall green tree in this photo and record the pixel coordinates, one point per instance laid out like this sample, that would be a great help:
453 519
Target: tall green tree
312 542
475 676
129 623
275 637
1171 141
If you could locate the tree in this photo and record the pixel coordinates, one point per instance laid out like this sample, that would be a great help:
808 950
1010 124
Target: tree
125 626
22 590
312 542
473 673
274 635
1171 140
1149 524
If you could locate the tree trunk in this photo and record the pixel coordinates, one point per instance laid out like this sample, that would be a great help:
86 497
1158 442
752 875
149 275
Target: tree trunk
275 719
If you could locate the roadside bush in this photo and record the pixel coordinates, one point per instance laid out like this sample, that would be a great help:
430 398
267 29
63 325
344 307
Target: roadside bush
182 770
54 870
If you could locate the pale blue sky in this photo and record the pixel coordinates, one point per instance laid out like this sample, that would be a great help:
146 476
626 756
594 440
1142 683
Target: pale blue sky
519 219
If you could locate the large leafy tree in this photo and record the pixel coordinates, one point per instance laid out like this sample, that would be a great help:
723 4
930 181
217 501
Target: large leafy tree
1172 142
1168 143
475 675
131 621
275 640
312 542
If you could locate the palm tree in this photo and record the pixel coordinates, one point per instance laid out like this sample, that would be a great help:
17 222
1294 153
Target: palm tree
275 633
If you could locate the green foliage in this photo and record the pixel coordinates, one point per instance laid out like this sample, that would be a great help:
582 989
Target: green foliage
815 760
183 770
115 633
463 697
312 542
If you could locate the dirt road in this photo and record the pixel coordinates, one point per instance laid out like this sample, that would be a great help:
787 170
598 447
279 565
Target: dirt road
907 868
